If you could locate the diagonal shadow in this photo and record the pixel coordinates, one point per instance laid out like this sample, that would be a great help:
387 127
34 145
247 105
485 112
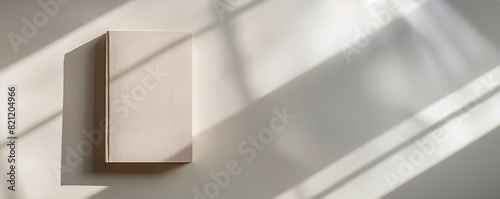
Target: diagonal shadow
472 173
467 107
67 17
236 61
146 59
36 126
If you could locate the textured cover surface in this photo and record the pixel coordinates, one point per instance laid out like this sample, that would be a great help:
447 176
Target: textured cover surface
149 96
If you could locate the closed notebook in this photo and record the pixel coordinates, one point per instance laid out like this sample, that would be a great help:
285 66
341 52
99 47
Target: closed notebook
148 94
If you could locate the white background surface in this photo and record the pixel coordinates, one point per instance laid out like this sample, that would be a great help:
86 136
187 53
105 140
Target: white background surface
265 55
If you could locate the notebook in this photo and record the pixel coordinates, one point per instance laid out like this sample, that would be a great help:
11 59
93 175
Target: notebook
148 97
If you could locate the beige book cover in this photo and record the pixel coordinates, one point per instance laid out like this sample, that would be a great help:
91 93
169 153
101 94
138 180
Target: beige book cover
148 87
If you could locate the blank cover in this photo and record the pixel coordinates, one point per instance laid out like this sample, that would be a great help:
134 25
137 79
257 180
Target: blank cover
148 87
